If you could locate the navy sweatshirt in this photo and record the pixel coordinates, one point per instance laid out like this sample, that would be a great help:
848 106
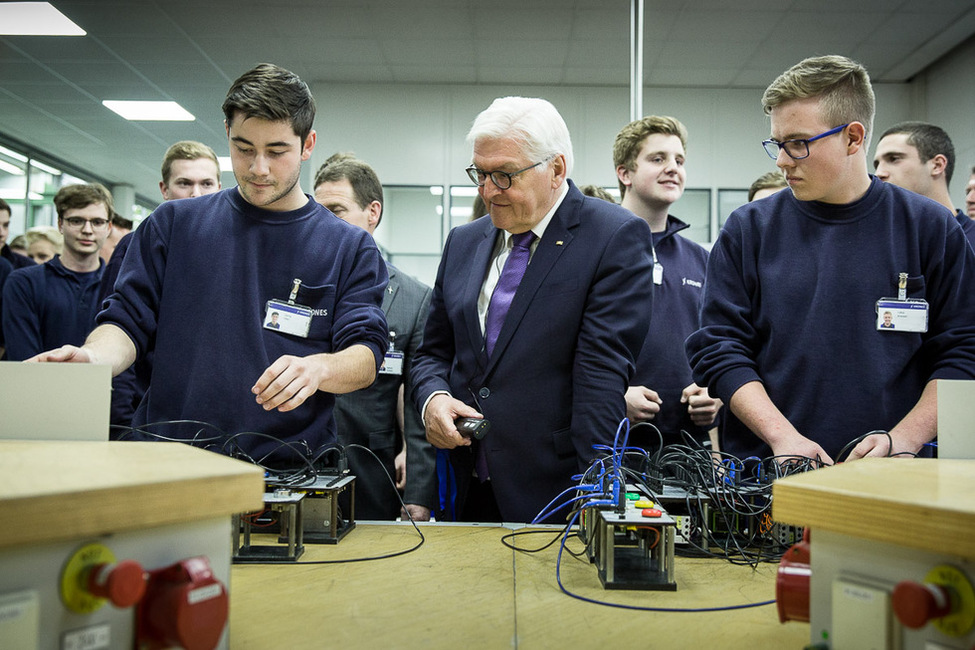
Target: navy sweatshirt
662 365
46 306
194 287
130 386
790 300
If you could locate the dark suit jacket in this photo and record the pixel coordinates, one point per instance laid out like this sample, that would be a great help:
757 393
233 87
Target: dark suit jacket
554 385
367 417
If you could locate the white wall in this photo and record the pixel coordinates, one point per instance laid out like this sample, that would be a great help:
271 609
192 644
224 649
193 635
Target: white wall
415 134
949 93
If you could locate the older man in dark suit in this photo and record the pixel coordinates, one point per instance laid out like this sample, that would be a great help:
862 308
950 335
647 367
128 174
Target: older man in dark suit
537 316
368 417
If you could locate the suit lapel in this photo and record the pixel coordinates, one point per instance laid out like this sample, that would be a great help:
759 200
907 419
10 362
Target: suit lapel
391 289
557 237
475 280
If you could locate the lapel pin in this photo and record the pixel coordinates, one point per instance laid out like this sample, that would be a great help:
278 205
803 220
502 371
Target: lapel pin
558 243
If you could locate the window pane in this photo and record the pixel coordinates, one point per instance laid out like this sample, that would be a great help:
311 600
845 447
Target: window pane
13 187
461 204
411 230
728 202
694 209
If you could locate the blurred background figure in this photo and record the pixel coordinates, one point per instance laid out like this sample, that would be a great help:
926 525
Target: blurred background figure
767 185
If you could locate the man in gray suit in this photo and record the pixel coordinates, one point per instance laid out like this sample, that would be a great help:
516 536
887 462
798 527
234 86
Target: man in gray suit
374 417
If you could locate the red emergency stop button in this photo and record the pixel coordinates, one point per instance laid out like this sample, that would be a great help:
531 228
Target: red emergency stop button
185 606
915 603
123 584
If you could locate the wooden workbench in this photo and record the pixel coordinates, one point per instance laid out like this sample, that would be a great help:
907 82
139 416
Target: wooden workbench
870 498
54 491
464 589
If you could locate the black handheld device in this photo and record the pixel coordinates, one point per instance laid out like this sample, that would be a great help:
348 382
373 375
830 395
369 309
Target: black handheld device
472 427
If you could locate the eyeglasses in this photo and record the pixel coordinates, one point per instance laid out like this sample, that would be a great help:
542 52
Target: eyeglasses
796 149
501 179
79 222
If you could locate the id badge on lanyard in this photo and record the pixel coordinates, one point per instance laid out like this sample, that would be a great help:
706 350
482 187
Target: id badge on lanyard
288 317
901 314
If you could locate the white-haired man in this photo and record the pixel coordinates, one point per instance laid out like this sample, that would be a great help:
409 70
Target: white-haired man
549 373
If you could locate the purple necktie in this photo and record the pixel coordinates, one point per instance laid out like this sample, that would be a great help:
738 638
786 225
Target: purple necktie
504 292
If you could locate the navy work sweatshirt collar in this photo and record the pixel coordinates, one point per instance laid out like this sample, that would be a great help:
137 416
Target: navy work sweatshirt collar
251 211
674 226
55 265
847 212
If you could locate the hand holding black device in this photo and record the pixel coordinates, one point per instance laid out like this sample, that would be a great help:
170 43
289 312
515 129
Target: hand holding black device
472 427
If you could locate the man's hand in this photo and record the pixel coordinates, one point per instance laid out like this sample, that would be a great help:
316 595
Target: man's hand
642 404
63 354
439 418
879 446
288 382
419 513
918 427
799 447
700 405
400 464
107 344
756 411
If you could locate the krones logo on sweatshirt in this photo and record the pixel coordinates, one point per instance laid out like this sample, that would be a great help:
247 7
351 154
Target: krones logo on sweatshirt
319 312
693 283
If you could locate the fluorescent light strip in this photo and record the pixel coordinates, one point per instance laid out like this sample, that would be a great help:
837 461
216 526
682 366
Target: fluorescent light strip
10 153
17 194
11 169
147 111
35 19
45 168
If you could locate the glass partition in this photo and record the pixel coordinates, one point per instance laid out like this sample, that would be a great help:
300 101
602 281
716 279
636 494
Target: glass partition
13 188
29 180
411 232
694 209
729 200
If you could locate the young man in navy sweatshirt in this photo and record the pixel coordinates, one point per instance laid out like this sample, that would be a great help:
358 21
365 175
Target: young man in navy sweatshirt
202 276
920 157
55 303
791 335
649 156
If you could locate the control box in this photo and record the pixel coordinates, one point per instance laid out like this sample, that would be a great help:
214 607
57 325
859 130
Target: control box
118 544
891 562
633 549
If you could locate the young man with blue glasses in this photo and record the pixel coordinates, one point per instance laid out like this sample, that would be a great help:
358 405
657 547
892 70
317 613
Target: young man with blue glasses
792 335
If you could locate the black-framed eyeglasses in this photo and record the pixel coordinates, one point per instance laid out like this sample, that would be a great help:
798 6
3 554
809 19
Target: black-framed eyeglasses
501 179
79 222
797 149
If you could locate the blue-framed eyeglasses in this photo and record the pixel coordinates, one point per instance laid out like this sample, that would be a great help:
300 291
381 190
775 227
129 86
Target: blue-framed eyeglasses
797 149
501 179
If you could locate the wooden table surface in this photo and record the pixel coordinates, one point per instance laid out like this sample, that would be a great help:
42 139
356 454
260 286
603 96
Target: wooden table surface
71 489
872 499
464 589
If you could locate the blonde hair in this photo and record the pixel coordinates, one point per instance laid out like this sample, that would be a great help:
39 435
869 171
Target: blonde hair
768 181
45 233
187 150
841 84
